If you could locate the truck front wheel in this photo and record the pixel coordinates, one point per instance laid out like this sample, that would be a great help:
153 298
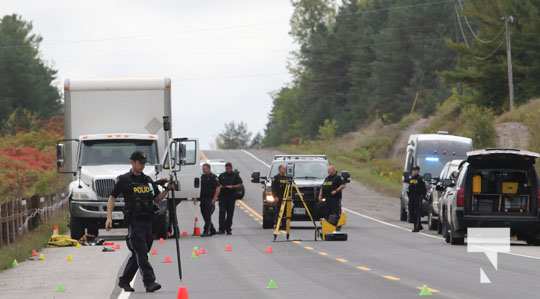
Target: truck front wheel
76 227
268 219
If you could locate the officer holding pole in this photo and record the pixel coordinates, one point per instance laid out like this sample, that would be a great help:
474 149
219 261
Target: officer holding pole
279 182
140 196
416 192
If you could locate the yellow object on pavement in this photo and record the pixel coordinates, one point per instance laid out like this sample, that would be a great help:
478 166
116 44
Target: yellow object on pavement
62 241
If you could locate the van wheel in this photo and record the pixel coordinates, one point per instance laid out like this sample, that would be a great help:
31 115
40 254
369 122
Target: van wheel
402 214
268 219
76 228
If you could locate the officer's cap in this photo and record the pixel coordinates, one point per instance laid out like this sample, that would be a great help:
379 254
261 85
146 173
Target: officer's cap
138 156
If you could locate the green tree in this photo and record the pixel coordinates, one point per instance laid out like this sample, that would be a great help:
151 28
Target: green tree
257 140
25 79
235 136
327 131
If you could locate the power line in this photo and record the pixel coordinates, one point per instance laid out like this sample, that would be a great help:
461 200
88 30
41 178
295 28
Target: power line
474 34
492 52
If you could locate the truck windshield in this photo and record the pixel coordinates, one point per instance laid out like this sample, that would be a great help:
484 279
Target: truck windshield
100 152
305 169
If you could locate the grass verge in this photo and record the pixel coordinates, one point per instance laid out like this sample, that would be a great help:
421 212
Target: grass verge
36 239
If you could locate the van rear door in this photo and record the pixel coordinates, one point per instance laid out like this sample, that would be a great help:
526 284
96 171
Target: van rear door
501 183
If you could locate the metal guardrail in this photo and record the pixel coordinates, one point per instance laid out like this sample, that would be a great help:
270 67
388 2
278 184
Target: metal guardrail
19 216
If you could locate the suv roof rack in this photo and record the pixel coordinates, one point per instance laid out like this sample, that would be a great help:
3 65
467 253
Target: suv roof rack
300 157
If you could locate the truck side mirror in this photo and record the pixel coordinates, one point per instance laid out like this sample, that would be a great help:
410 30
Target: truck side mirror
256 177
188 152
66 150
196 182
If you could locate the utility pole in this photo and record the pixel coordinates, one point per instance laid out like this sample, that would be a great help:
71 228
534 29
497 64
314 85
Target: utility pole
507 21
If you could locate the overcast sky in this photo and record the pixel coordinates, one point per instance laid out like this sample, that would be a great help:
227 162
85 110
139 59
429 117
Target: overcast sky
224 56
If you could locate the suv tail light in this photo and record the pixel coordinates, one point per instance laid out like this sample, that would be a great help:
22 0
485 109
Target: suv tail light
460 197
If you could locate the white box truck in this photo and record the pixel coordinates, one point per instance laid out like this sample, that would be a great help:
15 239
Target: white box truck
105 121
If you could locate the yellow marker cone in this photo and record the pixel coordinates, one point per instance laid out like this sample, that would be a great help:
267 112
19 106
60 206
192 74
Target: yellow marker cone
69 258
271 284
41 257
78 245
425 291
60 288
14 263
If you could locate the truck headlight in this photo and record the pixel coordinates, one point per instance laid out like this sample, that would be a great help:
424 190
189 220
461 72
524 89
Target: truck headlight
80 196
269 198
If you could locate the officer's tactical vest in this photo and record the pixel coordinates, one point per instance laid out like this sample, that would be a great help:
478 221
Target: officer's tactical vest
141 201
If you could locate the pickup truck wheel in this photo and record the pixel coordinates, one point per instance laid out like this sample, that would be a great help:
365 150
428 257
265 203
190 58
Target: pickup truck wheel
533 241
433 223
76 227
445 233
268 219
452 236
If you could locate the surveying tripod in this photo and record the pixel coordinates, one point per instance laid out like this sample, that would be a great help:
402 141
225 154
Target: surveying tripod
286 208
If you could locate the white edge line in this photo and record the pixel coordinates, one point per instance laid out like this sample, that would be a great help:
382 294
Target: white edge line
390 224
125 295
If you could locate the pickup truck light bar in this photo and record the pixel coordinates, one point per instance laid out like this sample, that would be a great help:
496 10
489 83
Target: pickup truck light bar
300 157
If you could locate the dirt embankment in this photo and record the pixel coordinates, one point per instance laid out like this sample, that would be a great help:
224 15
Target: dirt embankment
400 144
512 135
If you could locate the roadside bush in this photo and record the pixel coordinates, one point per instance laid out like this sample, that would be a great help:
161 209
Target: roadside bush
327 131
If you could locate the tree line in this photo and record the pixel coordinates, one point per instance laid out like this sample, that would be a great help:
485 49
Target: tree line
363 60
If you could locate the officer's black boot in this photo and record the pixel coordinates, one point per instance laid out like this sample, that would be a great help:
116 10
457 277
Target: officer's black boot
152 287
126 287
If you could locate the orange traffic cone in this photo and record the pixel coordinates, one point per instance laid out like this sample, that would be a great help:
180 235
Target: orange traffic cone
167 259
228 247
161 241
268 249
182 293
34 253
196 228
153 251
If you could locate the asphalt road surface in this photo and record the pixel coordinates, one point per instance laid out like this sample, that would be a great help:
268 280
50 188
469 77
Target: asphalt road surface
381 259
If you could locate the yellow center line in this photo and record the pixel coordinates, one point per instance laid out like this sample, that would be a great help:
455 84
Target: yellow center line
363 268
308 248
297 242
341 260
323 253
430 289
250 209
390 277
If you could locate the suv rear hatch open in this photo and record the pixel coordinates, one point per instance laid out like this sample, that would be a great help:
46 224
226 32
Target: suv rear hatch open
501 183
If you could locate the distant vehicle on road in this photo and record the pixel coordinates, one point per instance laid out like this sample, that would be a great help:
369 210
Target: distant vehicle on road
448 174
310 172
495 188
431 152
104 122
216 165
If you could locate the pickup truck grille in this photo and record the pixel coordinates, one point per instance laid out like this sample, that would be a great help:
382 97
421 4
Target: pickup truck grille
104 187
309 193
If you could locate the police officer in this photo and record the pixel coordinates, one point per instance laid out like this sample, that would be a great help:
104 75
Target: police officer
330 196
209 194
416 192
140 195
230 182
279 181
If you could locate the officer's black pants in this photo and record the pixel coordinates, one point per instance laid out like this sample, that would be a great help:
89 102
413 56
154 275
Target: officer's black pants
207 209
330 210
226 213
415 210
139 242
277 207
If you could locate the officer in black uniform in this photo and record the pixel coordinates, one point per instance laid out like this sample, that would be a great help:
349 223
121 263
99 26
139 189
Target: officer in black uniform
230 182
279 181
209 194
330 196
140 195
416 192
